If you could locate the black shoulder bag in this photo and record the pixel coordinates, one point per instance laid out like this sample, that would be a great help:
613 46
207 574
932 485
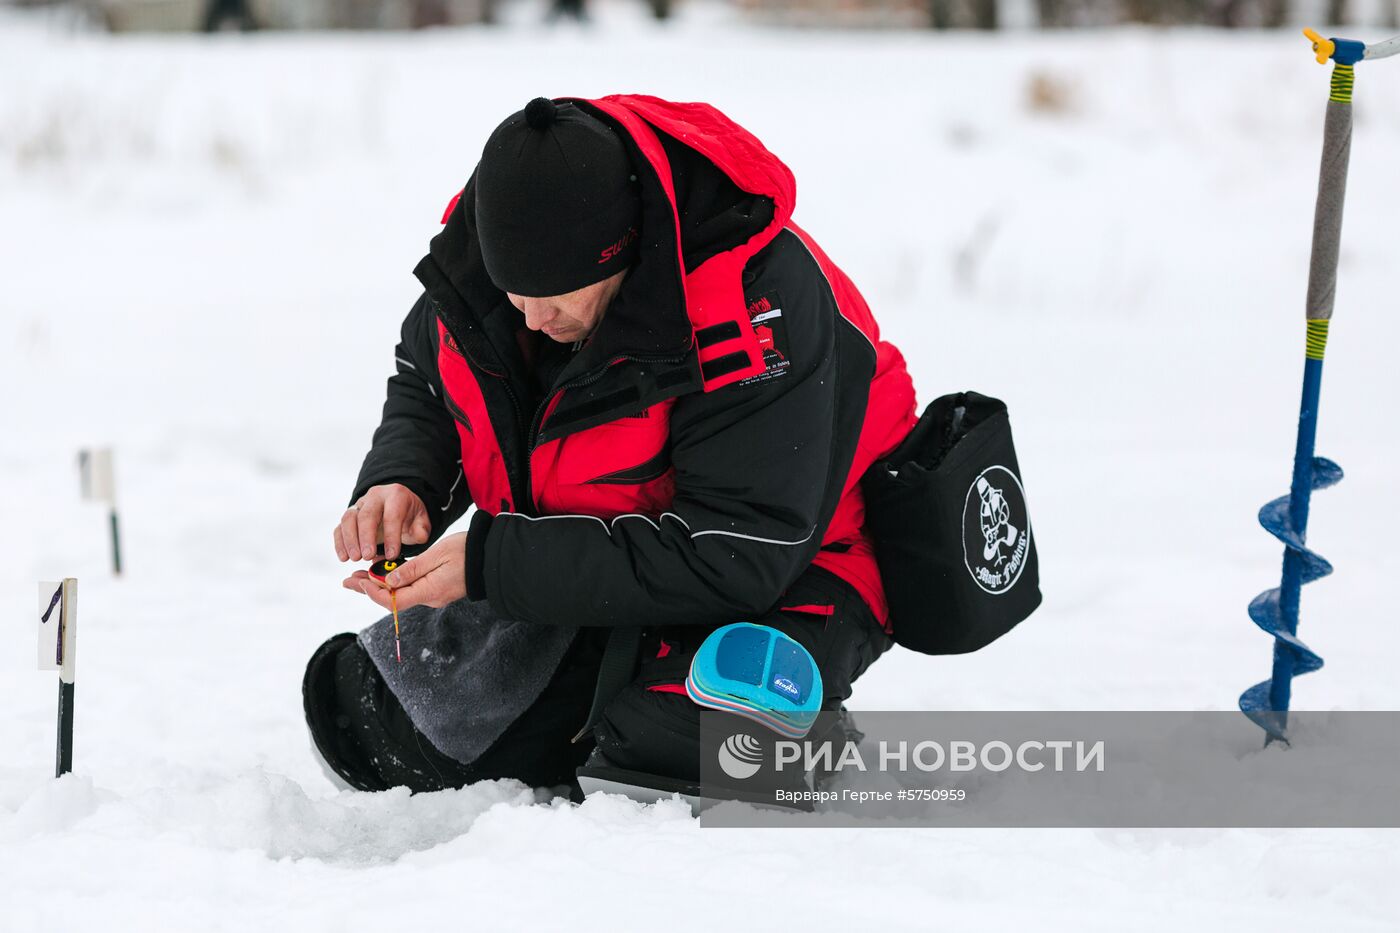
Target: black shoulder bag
952 534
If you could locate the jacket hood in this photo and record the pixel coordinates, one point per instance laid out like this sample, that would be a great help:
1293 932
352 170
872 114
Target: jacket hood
710 189
711 159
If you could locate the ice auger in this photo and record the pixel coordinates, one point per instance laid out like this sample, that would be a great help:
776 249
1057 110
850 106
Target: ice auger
1286 518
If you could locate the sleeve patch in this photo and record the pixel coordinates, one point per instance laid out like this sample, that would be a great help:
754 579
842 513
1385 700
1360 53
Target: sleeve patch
766 319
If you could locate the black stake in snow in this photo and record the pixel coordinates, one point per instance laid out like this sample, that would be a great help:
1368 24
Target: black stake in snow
99 483
58 641
116 544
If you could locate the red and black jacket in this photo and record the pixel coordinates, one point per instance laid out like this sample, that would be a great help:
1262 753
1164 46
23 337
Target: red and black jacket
701 450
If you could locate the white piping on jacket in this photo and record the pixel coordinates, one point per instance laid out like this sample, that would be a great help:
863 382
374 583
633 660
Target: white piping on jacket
696 534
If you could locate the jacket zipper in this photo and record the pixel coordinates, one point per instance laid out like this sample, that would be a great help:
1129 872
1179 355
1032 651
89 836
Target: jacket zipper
510 393
587 379
531 436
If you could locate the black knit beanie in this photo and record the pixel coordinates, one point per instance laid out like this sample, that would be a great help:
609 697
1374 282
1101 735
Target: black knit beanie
557 204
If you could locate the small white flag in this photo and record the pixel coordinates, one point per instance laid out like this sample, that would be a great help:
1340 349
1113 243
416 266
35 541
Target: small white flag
50 626
95 464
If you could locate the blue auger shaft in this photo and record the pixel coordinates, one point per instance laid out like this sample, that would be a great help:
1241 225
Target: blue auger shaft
1276 611
1299 499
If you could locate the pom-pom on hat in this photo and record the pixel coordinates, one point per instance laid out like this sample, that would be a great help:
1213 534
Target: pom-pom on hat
557 201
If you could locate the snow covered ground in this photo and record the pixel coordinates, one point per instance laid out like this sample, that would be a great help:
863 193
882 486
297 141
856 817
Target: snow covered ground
207 248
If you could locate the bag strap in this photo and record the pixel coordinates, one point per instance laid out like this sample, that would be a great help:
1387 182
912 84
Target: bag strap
616 670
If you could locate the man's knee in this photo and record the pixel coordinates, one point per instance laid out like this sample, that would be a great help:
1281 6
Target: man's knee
653 724
330 724
658 733
361 730
826 616
365 736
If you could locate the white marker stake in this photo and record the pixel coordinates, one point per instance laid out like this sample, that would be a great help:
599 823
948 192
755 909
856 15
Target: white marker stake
50 626
100 485
58 651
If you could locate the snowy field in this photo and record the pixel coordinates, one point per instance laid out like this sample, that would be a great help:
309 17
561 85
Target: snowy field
205 253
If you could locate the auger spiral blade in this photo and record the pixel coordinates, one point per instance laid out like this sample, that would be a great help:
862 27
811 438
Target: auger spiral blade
1276 610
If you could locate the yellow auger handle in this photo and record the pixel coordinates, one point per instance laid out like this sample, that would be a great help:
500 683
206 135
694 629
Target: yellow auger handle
1323 47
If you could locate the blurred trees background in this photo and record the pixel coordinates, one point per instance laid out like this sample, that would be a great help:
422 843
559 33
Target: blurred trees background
1061 14
140 15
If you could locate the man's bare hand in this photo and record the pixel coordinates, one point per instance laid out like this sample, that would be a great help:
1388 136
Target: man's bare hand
391 514
434 578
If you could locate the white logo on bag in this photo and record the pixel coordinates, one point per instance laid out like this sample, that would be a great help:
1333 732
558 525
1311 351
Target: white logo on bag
740 756
787 686
996 521
996 530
